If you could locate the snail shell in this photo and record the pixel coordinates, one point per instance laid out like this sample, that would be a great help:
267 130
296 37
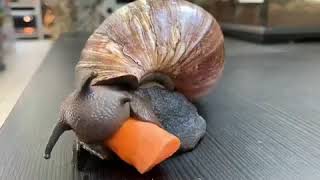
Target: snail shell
174 38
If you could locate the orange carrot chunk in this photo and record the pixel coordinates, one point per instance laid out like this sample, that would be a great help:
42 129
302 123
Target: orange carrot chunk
142 144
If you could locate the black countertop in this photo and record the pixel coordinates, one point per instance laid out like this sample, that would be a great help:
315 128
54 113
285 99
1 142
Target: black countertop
263 120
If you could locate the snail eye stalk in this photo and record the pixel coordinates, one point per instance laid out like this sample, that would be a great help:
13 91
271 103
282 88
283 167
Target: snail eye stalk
58 130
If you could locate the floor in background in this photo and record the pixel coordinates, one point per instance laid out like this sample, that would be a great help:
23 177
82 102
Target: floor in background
21 63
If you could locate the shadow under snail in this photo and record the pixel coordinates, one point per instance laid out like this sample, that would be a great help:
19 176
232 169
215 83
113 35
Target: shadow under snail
147 60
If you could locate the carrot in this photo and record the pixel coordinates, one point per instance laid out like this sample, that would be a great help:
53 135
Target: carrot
143 145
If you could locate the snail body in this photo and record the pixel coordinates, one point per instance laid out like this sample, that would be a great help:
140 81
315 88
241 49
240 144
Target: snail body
173 44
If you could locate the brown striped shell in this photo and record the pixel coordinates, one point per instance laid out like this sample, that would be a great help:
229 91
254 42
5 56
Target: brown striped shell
173 37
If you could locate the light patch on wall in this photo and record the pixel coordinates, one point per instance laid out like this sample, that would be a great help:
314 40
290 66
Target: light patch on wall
251 1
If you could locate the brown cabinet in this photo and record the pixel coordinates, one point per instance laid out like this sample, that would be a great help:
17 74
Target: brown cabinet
270 20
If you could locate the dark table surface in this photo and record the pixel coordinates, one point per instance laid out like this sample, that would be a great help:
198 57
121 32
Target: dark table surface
263 120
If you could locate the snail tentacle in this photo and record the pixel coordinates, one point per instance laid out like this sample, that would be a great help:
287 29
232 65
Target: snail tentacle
58 130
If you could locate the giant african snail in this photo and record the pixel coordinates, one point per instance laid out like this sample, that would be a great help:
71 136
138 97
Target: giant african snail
173 43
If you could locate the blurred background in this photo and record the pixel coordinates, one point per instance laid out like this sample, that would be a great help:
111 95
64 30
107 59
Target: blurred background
29 27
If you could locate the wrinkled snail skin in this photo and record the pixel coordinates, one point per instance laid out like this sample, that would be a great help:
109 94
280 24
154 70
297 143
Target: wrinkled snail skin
97 113
171 43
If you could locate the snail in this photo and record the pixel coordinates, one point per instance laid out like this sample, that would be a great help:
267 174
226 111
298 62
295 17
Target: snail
147 52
